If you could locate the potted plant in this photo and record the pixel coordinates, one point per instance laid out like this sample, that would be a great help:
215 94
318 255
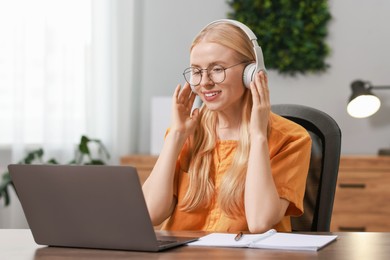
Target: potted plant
83 155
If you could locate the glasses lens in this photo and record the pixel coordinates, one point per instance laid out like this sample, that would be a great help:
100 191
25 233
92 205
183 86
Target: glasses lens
217 74
193 76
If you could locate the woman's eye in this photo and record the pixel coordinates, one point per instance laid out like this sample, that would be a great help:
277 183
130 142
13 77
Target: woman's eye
217 69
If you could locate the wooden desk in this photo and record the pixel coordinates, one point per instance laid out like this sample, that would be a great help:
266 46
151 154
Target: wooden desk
18 244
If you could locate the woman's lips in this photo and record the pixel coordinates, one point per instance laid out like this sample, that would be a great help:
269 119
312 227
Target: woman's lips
211 95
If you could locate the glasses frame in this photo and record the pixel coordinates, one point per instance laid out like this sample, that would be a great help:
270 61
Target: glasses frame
187 70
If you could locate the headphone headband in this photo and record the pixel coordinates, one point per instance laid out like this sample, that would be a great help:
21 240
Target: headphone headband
252 69
240 25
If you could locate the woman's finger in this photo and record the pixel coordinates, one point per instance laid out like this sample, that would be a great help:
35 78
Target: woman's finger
191 100
184 94
265 89
176 93
259 87
262 87
255 94
187 94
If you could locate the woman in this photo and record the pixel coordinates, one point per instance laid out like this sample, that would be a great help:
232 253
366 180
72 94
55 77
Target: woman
231 165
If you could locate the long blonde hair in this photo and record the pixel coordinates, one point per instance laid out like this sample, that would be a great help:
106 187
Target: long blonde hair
201 186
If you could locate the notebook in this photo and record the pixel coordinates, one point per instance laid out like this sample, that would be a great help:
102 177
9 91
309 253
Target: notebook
268 240
87 207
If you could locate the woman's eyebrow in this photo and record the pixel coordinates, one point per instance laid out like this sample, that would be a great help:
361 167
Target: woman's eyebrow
194 65
210 64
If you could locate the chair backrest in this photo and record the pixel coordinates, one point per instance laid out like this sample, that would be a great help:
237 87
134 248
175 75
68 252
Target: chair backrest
324 165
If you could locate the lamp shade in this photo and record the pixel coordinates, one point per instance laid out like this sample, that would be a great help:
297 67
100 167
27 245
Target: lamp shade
362 103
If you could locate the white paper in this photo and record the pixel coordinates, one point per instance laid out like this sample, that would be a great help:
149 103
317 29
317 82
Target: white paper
228 240
291 241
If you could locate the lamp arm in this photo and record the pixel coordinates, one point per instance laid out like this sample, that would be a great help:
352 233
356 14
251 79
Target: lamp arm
379 87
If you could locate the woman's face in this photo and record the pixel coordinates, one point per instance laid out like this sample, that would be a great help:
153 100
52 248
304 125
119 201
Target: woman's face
227 94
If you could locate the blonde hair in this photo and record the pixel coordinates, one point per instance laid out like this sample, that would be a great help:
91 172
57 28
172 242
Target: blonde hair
201 186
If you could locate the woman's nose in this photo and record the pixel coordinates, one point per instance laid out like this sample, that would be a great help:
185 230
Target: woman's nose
206 80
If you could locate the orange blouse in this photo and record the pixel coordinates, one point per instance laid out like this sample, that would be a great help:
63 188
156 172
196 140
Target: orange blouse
289 147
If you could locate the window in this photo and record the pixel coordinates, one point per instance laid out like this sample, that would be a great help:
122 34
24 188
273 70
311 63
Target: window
44 68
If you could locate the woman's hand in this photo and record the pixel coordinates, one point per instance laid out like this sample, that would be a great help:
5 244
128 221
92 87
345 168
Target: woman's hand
261 105
183 121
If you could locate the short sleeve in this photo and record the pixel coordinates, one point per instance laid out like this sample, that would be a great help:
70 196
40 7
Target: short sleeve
290 149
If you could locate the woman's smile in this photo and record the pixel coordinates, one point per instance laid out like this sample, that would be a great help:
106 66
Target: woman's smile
211 95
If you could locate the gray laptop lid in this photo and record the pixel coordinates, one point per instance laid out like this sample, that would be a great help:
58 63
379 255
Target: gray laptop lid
85 206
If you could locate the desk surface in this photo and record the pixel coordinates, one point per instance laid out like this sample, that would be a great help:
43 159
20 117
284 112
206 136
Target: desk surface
18 244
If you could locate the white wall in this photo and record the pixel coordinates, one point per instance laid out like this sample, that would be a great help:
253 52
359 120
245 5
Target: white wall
359 36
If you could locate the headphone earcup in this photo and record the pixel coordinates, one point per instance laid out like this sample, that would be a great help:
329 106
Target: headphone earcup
249 72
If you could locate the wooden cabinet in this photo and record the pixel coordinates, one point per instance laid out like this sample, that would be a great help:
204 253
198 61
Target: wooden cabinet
362 200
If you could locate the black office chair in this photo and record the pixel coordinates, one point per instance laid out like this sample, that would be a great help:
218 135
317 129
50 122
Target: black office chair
324 165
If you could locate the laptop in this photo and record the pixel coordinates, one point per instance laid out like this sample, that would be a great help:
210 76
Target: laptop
87 206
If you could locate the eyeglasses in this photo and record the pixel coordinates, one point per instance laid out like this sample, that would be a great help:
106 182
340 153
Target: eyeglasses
216 74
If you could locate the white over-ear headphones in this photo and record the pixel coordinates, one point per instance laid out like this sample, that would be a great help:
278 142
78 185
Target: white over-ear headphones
253 68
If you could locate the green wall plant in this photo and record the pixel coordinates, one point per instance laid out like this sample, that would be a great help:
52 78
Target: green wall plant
292 34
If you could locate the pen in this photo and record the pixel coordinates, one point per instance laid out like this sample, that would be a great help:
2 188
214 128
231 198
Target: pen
239 236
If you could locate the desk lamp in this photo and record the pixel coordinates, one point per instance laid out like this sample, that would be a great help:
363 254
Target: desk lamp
363 103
